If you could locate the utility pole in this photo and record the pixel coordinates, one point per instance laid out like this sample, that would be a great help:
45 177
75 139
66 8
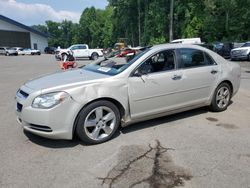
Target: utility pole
139 20
171 20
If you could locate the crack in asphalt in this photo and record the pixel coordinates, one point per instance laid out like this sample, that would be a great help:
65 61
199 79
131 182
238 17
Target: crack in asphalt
127 167
163 172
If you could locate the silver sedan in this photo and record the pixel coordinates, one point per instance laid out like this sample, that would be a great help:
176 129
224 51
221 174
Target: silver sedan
95 100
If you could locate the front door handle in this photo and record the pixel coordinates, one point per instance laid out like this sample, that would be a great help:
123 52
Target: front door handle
176 77
214 71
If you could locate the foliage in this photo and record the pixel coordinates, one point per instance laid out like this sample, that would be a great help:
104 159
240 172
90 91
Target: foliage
146 22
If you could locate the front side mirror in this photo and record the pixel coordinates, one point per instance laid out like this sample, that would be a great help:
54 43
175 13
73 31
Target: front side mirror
138 73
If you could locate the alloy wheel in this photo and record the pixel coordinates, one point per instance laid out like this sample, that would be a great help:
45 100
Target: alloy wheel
100 123
222 97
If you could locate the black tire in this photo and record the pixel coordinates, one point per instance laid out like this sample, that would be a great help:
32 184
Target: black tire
215 104
94 56
83 131
7 54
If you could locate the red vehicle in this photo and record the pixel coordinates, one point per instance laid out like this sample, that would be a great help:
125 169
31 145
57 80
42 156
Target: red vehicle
123 53
68 64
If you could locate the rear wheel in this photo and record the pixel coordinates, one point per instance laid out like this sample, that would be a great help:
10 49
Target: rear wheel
94 56
221 98
98 122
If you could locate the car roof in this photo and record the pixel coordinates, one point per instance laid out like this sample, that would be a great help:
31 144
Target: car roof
177 45
169 46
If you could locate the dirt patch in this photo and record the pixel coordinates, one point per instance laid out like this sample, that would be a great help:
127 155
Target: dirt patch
227 125
150 166
245 155
212 119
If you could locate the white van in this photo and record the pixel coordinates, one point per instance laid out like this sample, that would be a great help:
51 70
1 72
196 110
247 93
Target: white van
187 41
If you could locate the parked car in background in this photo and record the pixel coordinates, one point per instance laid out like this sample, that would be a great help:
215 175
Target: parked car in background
95 100
11 51
125 52
19 50
79 51
50 50
2 50
29 51
224 48
241 53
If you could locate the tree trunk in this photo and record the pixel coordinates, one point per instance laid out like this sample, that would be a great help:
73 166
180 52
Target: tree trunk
171 20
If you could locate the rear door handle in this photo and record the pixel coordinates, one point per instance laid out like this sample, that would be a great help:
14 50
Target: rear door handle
176 77
214 71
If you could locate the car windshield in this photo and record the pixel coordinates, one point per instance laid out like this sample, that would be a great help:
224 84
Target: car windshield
113 66
246 44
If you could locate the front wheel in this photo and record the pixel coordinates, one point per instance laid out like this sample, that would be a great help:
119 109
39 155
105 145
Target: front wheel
98 122
221 98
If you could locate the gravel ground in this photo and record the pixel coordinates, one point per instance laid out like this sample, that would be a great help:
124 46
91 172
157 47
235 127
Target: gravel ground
197 148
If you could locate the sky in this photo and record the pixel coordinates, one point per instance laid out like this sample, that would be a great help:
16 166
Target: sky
34 12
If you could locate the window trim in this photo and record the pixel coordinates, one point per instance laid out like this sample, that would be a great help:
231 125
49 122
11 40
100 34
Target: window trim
179 63
175 63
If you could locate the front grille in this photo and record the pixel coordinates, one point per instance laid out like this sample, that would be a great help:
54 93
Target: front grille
236 52
19 107
22 94
40 128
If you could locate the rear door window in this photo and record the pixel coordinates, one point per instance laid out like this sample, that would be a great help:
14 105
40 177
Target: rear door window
191 58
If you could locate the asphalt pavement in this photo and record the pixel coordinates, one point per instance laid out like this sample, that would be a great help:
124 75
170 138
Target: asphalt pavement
197 148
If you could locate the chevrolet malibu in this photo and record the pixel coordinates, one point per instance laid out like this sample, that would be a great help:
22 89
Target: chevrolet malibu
93 101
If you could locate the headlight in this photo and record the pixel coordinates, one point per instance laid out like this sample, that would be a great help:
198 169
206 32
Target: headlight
244 51
49 100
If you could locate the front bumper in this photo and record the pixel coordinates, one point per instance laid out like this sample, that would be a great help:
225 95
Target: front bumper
55 123
239 55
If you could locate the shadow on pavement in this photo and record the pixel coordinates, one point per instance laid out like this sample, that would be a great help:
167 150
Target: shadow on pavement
162 120
57 144
46 142
131 128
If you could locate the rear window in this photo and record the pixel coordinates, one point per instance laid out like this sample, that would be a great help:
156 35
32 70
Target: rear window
194 58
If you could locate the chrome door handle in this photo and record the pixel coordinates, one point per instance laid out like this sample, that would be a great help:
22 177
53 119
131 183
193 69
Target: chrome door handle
176 77
214 71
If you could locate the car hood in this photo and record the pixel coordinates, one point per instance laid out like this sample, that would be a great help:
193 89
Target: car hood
64 79
241 48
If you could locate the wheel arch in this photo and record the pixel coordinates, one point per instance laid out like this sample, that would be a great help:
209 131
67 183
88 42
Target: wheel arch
112 100
94 53
230 84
